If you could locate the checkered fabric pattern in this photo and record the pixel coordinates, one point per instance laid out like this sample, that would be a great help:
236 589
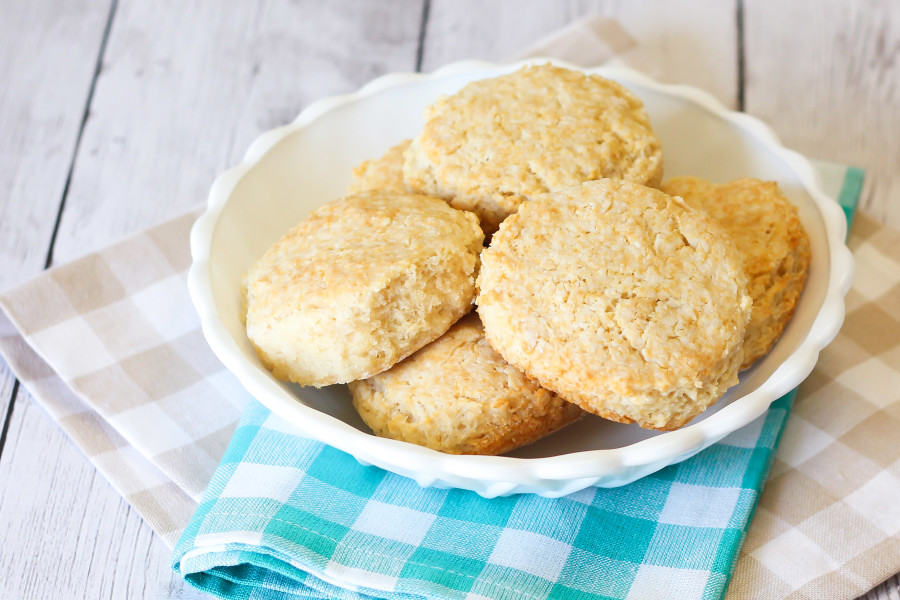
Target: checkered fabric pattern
287 517
828 520
110 347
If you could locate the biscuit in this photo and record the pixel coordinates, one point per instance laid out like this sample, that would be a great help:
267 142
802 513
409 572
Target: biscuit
383 173
619 298
498 142
772 242
457 395
360 284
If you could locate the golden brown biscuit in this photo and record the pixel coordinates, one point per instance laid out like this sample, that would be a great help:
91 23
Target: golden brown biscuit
360 284
383 173
500 141
772 241
457 395
619 298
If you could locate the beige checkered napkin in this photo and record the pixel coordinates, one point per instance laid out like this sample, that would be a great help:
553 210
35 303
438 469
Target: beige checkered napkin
111 347
828 519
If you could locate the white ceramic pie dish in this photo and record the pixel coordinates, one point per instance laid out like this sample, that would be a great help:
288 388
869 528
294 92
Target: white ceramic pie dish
293 169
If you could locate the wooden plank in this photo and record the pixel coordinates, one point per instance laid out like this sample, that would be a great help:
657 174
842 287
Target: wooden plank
48 55
9 389
72 536
689 41
185 87
840 101
59 517
47 59
889 590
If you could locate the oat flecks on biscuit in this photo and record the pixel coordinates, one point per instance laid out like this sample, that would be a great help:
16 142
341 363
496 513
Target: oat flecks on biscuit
498 142
360 284
382 173
619 298
771 239
457 395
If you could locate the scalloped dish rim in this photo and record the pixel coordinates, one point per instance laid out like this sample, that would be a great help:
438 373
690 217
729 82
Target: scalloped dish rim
501 475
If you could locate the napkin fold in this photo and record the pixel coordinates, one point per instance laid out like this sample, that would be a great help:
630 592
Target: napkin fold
149 405
111 347
289 517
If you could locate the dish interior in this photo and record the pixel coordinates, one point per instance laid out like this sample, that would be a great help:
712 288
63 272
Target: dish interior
312 165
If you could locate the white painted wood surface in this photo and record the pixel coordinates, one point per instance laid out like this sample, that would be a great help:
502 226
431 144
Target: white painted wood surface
185 86
841 101
689 41
47 58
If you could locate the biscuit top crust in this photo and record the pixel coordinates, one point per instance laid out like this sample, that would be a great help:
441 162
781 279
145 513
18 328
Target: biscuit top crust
615 288
382 173
764 225
458 395
362 242
536 130
770 238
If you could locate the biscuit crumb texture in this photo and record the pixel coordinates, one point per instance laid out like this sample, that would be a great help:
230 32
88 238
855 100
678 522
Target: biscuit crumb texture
770 238
498 142
360 284
457 395
619 298
383 173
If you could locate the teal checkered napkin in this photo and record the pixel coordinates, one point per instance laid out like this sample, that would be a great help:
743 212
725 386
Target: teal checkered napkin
288 517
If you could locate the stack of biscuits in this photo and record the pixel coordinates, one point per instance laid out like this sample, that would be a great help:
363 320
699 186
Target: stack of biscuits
601 289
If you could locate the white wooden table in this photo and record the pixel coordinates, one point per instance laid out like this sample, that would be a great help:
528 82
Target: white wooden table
117 114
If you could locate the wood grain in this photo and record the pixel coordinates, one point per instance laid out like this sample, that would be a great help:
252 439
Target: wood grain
47 59
72 534
889 590
48 55
186 86
690 41
841 102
